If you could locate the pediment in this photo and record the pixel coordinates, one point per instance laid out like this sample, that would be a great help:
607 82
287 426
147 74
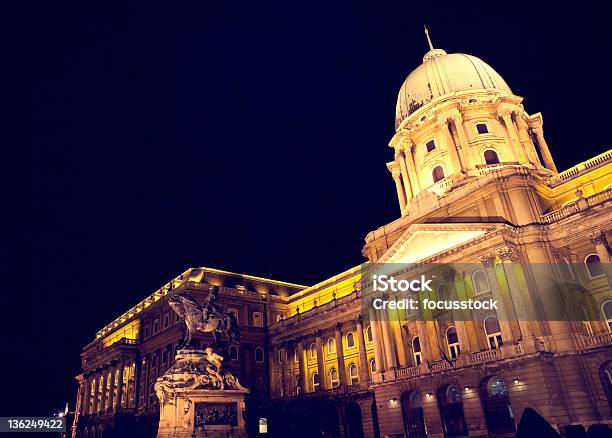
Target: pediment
420 241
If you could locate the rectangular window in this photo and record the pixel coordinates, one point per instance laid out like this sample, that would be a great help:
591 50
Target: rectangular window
155 326
257 319
166 320
482 128
146 331
235 313
430 145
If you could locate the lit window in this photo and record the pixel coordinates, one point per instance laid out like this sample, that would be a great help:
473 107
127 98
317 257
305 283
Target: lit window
259 355
313 351
350 340
416 351
233 353
493 332
315 380
430 145
452 341
482 128
353 374
257 319
234 312
491 157
295 355
369 337
480 282
333 378
331 346
593 265
437 174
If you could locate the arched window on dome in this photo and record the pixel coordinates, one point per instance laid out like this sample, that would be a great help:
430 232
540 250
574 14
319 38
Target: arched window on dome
437 174
491 157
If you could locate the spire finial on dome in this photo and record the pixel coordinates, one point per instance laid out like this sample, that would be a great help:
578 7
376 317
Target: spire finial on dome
428 39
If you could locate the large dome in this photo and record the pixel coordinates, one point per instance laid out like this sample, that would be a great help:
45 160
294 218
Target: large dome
442 73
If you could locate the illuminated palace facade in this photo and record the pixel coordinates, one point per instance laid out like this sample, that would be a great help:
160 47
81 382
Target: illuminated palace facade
476 183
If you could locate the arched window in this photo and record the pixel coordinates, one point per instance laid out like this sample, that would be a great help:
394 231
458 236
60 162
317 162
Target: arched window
567 269
316 382
443 292
437 174
416 351
412 414
372 365
235 313
451 410
281 353
353 374
259 355
350 340
369 337
204 345
333 378
452 340
593 265
233 352
313 351
164 357
331 346
491 157
480 282
493 332
496 404
606 310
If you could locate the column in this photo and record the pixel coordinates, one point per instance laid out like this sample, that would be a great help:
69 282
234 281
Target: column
96 392
283 369
423 340
450 144
272 352
601 246
85 397
340 354
513 135
405 176
503 316
103 382
463 140
120 385
111 390
409 154
377 335
401 196
364 366
302 369
320 363
508 256
389 344
527 143
549 163
289 378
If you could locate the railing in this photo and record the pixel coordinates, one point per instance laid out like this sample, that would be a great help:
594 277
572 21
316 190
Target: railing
483 169
486 356
405 373
575 207
598 340
442 365
441 186
580 168
100 349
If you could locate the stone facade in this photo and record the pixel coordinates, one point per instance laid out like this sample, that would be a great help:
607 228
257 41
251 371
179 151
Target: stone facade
476 184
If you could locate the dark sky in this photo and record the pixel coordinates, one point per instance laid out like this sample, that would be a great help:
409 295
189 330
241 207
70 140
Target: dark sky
248 136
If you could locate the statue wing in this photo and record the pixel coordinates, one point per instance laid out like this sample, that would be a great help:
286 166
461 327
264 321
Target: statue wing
190 306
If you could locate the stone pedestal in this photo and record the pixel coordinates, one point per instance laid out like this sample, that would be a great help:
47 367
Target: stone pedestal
197 398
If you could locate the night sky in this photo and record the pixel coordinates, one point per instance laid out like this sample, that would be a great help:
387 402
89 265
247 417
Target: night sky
250 137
